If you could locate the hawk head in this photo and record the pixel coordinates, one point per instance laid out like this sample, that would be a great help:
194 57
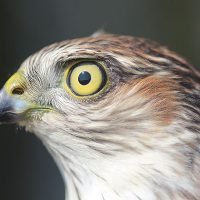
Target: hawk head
120 115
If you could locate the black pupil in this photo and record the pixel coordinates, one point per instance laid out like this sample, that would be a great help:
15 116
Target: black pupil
84 78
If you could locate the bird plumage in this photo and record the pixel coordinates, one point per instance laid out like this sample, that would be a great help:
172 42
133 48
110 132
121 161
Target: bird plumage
138 139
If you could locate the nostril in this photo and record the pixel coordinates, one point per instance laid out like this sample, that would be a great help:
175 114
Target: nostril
18 91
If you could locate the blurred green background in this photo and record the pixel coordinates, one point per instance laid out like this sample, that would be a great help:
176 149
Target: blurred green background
26 169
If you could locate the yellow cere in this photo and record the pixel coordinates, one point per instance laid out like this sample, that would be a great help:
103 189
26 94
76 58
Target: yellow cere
16 80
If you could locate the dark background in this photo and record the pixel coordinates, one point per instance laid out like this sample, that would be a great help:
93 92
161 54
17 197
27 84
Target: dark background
27 172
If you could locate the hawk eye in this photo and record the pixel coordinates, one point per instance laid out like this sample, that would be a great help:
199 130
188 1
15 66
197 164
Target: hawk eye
85 78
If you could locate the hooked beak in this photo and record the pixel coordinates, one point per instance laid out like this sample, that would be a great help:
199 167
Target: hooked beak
12 108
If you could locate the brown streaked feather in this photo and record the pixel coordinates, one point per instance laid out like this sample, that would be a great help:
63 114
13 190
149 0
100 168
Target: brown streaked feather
164 99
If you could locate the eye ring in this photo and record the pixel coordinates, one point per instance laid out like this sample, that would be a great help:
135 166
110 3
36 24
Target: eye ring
86 79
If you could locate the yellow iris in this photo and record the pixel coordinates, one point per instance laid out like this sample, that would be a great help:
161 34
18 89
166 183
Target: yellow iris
85 78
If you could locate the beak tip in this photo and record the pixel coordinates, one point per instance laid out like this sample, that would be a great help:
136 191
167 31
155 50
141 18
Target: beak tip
7 114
